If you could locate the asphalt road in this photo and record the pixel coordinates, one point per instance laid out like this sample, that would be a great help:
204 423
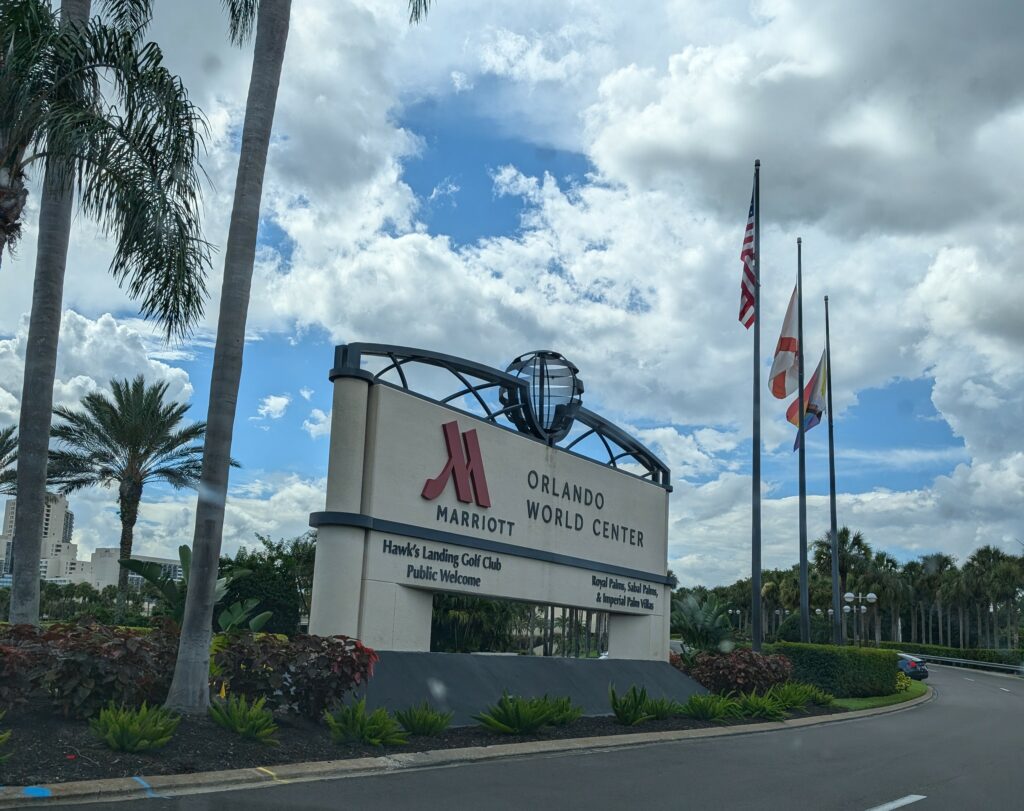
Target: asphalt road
963 750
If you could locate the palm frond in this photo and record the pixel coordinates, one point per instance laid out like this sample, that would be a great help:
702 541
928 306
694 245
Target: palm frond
418 10
241 19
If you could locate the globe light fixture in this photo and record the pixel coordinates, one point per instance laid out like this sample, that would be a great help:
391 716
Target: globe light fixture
817 611
872 597
847 609
552 395
863 609
848 596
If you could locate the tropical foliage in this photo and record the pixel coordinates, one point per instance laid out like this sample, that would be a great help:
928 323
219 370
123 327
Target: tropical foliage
134 730
931 600
251 720
353 724
702 625
127 440
630 708
8 458
423 719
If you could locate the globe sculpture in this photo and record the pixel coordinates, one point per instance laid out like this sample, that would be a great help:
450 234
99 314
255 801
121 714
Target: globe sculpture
550 400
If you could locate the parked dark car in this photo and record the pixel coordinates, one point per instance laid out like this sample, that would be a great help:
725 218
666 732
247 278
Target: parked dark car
912 666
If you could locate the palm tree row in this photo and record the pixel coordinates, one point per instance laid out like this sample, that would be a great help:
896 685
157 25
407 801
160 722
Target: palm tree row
930 600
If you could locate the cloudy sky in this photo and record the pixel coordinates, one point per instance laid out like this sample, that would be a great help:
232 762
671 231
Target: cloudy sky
510 176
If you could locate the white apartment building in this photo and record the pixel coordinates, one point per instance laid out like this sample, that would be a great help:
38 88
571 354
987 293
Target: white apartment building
58 553
104 568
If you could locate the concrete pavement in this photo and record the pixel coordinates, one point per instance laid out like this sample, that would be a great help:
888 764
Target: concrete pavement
962 750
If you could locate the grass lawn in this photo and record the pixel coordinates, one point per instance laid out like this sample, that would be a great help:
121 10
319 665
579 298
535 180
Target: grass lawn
917 689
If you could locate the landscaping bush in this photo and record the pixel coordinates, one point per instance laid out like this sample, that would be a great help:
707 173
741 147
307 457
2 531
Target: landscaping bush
563 711
793 695
252 721
305 674
903 682
352 724
4 738
740 671
844 672
1002 657
662 708
82 668
767 707
515 715
713 707
631 708
423 720
128 730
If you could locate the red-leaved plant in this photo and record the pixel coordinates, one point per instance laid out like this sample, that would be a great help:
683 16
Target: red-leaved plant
739 671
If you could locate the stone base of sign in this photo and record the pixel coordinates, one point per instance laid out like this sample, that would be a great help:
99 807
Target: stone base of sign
466 683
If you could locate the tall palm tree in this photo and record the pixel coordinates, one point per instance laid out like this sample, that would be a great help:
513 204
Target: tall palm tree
129 440
8 456
189 691
854 551
935 567
112 128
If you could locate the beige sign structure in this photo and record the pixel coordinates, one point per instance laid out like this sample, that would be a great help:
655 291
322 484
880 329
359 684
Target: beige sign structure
422 497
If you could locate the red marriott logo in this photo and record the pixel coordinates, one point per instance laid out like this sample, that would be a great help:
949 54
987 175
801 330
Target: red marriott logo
465 464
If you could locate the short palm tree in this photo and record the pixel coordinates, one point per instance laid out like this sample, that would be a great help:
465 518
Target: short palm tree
93 107
854 552
129 440
8 456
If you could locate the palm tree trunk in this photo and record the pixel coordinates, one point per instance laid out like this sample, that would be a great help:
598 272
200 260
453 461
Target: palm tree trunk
190 692
55 207
938 614
129 496
949 627
960 625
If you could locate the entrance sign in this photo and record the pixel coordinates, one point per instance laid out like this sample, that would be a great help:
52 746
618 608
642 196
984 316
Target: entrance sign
425 497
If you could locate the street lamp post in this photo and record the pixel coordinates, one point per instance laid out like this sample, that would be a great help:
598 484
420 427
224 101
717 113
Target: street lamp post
860 609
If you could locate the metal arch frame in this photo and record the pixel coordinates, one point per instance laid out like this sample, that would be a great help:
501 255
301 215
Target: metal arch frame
348 363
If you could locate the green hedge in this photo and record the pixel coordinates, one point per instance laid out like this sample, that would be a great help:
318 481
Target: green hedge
843 672
1003 657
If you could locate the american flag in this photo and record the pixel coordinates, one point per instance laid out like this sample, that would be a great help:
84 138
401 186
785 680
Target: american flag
749 281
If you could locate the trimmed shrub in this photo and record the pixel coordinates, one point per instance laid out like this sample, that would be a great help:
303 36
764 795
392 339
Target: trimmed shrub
128 730
903 682
844 672
630 709
305 674
740 671
252 721
1002 657
352 724
716 708
423 720
515 715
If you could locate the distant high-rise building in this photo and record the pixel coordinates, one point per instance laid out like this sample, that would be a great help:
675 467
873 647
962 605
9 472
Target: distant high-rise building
58 553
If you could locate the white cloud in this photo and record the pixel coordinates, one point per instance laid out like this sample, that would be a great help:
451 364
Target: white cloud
273 406
318 423
305 393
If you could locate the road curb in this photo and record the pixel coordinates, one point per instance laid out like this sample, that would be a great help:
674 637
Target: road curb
158 786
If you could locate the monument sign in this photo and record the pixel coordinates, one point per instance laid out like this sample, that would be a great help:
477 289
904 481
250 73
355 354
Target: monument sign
425 497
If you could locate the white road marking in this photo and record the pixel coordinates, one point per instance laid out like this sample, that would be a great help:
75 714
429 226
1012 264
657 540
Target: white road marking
1004 689
902 801
967 679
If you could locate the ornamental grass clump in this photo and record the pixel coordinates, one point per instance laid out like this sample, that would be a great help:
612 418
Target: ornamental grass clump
663 708
515 715
711 707
250 720
4 738
793 695
129 730
765 707
564 712
423 720
630 709
352 724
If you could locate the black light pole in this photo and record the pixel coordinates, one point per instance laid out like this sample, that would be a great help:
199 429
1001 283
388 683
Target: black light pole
837 627
755 493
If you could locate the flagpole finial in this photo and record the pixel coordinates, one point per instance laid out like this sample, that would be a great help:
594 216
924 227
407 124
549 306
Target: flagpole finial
826 299
757 162
799 240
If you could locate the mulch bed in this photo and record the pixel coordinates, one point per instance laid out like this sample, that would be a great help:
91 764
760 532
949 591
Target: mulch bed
47 749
